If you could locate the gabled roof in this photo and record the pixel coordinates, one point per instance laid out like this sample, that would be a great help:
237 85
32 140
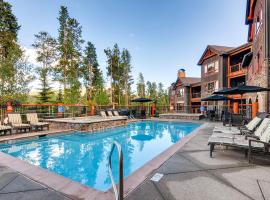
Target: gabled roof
187 81
239 48
212 50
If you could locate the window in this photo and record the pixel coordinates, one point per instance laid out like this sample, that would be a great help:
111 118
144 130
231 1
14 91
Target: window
211 67
180 92
258 22
211 86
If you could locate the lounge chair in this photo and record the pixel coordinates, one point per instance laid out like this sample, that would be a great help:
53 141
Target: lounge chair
32 119
257 133
246 143
248 127
109 113
15 121
103 114
115 113
5 129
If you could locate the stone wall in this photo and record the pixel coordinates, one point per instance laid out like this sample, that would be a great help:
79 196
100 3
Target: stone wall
88 127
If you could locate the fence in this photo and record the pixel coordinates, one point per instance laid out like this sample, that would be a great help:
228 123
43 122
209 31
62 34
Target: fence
70 110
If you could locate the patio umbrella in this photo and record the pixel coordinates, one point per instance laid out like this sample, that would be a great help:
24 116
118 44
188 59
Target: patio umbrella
242 90
216 98
141 100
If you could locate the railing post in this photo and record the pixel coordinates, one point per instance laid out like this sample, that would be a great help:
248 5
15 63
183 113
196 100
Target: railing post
119 195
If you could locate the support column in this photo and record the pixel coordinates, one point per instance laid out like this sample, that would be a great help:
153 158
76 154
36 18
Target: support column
235 107
255 108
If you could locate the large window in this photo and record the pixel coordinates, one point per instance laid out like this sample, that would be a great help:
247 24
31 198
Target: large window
258 22
211 67
212 86
180 92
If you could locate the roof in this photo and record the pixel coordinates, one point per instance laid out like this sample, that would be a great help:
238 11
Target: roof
214 49
220 49
239 48
187 81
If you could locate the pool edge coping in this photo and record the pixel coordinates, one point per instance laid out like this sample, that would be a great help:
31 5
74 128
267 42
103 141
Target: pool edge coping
76 190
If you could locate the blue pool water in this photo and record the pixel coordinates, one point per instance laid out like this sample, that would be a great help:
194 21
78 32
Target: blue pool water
83 157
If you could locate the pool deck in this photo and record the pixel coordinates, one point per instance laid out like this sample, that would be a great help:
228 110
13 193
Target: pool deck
189 174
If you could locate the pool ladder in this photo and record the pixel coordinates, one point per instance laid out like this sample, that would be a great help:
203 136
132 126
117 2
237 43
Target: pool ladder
119 194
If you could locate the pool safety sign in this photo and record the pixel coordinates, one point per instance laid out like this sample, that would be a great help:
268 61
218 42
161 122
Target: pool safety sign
61 109
157 177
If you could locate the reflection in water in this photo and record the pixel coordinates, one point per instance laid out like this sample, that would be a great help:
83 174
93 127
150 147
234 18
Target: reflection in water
84 157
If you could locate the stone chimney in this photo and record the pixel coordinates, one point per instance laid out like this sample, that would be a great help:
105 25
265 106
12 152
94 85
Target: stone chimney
181 73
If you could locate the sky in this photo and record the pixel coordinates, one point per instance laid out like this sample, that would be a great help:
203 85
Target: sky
161 35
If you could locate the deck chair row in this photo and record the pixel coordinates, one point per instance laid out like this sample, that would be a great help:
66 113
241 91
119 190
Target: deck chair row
255 136
15 123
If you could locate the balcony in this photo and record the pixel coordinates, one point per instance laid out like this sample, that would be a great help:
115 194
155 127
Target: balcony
236 69
196 95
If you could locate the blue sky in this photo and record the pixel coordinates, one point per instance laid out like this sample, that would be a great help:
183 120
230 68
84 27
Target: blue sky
162 35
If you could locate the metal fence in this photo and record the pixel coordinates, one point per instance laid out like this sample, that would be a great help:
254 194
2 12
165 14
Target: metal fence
70 110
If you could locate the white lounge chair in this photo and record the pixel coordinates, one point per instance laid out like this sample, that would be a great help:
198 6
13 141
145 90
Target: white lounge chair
109 113
15 121
103 114
32 119
115 113
246 143
257 133
5 129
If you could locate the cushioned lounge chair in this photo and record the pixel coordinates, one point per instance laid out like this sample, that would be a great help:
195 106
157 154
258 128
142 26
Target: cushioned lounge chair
109 113
115 113
257 133
15 121
251 126
103 114
5 129
246 143
32 119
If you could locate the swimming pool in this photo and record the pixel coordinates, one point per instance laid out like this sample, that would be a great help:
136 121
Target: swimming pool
83 157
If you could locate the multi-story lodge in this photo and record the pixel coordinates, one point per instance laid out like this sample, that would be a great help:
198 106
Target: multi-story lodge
223 67
258 19
185 93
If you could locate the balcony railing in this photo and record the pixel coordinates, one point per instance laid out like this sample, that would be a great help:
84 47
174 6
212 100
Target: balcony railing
196 95
235 68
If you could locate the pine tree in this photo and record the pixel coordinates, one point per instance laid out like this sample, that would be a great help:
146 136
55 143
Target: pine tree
12 63
114 72
68 70
126 74
91 74
141 86
45 47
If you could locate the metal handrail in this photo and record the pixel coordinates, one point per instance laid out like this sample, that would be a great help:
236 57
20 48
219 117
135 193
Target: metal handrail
119 195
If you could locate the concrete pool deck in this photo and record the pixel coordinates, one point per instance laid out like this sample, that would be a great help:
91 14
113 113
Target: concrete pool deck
188 174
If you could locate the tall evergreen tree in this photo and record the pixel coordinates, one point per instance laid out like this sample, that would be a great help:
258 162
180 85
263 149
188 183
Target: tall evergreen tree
91 73
141 86
46 48
68 70
126 77
12 62
114 72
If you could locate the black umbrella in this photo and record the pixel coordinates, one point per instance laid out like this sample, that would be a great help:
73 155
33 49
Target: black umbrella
242 90
216 98
141 100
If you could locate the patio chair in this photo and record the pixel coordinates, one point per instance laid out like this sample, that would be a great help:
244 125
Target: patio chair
103 114
32 119
248 127
15 120
5 129
256 133
109 113
246 143
115 113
